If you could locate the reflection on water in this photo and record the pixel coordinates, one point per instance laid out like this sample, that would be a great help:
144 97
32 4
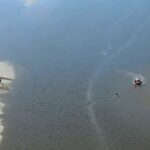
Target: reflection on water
29 2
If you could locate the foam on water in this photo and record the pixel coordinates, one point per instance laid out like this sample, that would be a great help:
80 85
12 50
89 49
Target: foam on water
6 71
111 53
2 105
107 50
136 76
1 130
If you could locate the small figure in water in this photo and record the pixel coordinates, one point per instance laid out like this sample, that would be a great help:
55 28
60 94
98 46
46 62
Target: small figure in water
138 82
116 95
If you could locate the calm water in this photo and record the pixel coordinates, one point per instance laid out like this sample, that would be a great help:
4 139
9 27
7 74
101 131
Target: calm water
70 59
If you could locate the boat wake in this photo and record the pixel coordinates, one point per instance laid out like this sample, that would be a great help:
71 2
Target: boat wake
136 76
110 53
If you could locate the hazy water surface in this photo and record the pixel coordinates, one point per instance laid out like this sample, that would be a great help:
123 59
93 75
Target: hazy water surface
71 57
